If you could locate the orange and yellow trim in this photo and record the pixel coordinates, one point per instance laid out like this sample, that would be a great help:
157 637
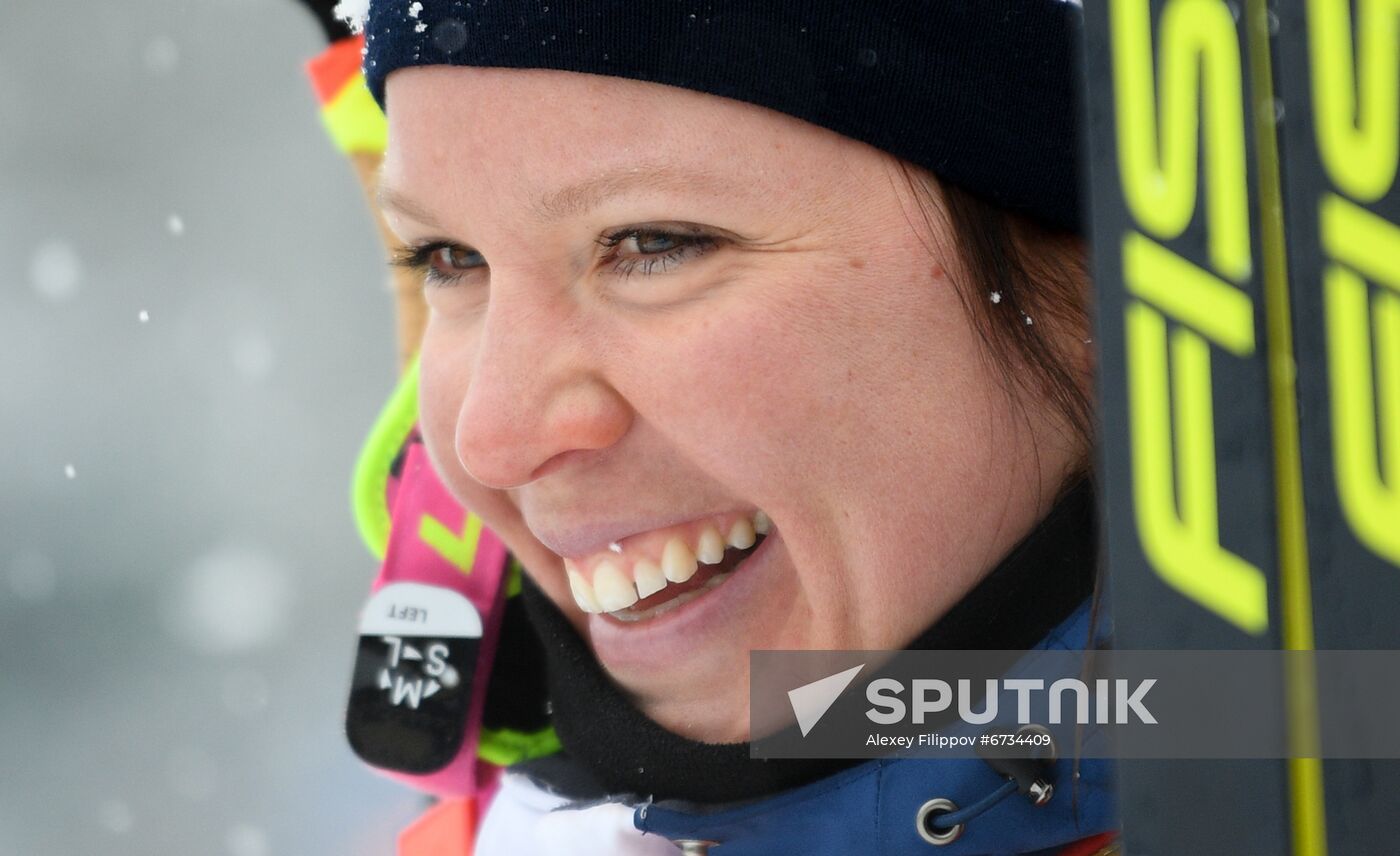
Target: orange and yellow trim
352 118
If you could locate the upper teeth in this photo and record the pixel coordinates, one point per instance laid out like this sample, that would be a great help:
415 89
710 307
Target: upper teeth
710 550
677 561
741 534
613 588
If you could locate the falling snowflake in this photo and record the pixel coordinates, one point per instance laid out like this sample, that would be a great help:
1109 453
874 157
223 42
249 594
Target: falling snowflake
1029 322
55 271
233 599
420 27
996 296
253 355
246 840
160 55
70 471
414 9
175 224
143 316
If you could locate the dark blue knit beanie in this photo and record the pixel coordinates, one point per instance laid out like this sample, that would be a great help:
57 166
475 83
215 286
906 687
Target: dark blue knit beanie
982 93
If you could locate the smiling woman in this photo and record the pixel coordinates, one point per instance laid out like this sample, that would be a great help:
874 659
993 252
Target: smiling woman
791 345
761 326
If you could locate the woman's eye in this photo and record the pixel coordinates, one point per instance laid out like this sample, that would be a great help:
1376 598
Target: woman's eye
440 263
650 242
653 250
452 261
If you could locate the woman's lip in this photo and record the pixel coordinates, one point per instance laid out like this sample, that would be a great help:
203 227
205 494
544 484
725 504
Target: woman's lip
621 645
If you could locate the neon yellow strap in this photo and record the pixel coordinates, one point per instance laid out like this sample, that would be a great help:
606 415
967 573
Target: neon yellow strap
385 439
504 746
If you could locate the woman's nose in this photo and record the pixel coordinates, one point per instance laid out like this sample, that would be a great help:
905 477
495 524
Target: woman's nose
537 396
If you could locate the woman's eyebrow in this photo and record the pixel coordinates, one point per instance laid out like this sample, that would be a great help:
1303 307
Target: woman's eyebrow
390 199
578 198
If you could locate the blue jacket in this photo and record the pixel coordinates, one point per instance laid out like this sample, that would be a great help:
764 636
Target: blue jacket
872 808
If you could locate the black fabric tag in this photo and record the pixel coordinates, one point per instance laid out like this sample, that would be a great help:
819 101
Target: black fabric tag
413 677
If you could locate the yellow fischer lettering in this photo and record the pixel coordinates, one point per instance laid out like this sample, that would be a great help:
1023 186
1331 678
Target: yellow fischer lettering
1199 95
1356 93
1190 295
1365 404
1182 545
1199 53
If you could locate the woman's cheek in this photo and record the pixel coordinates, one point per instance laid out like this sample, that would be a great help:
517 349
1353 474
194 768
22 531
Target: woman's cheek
726 387
771 377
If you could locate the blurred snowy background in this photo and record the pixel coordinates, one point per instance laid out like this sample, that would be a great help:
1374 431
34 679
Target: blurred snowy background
194 339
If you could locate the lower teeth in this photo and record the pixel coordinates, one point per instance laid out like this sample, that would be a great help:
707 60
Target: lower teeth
630 614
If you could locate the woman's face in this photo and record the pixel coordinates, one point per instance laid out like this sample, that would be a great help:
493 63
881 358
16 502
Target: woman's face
659 316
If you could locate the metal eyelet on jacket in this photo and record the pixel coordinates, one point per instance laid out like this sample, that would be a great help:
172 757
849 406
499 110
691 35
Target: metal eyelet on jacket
928 813
1031 776
694 846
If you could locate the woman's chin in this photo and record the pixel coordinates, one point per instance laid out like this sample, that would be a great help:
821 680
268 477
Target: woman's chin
687 668
719 718
701 695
